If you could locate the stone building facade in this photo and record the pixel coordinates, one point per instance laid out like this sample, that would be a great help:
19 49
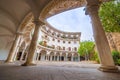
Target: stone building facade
56 45
18 13
114 40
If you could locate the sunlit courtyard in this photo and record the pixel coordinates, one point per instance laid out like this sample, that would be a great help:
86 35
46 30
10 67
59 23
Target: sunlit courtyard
55 71
59 40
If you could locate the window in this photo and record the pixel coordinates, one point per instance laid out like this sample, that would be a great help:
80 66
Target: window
69 48
58 35
75 42
45 36
63 48
58 40
69 42
75 48
52 33
53 39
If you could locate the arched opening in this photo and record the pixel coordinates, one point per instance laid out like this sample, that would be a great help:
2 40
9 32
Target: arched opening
52 57
76 57
69 58
20 51
57 56
42 55
63 57
59 6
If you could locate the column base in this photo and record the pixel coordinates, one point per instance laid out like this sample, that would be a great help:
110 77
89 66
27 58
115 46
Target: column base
108 69
29 64
9 61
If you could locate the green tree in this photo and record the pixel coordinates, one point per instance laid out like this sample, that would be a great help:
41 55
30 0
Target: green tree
116 57
95 57
86 47
110 16
41 42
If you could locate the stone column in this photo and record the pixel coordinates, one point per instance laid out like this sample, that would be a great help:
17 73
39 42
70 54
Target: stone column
47 57
60 57
50 57
18 48
106 60
22 55
37 57
26 56
78 58
13 49
55 56
72 57
37 54
16 52
66 57
33 45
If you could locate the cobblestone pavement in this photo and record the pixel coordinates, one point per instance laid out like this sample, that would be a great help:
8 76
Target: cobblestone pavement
55 71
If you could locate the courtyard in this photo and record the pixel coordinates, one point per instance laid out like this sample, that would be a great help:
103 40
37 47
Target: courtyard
55 71
31 48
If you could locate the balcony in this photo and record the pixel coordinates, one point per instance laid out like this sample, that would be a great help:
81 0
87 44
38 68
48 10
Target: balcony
54 50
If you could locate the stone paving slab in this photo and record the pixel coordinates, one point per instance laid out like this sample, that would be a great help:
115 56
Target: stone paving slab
55 71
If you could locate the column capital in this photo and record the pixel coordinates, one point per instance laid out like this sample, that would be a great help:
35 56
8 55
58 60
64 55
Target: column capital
92 6
38 22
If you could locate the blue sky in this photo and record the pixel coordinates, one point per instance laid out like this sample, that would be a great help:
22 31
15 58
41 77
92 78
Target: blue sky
73 20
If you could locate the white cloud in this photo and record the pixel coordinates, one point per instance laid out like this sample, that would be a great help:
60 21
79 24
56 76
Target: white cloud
73 21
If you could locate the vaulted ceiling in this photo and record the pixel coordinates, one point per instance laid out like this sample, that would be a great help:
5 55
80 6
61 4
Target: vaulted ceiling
16 14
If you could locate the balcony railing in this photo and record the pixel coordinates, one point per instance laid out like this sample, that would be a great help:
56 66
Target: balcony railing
62 37
55 50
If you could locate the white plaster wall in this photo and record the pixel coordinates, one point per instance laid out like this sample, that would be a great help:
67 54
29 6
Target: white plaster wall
61 44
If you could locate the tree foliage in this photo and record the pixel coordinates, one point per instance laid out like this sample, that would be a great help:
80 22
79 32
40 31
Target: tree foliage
116 57
95 57
110 16
86 48
41 42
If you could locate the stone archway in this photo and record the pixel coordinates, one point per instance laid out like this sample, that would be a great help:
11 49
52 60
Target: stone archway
25 52
57 6
75 57
42 55
51 56
92 7
57 56
63 57
20 51
69 58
